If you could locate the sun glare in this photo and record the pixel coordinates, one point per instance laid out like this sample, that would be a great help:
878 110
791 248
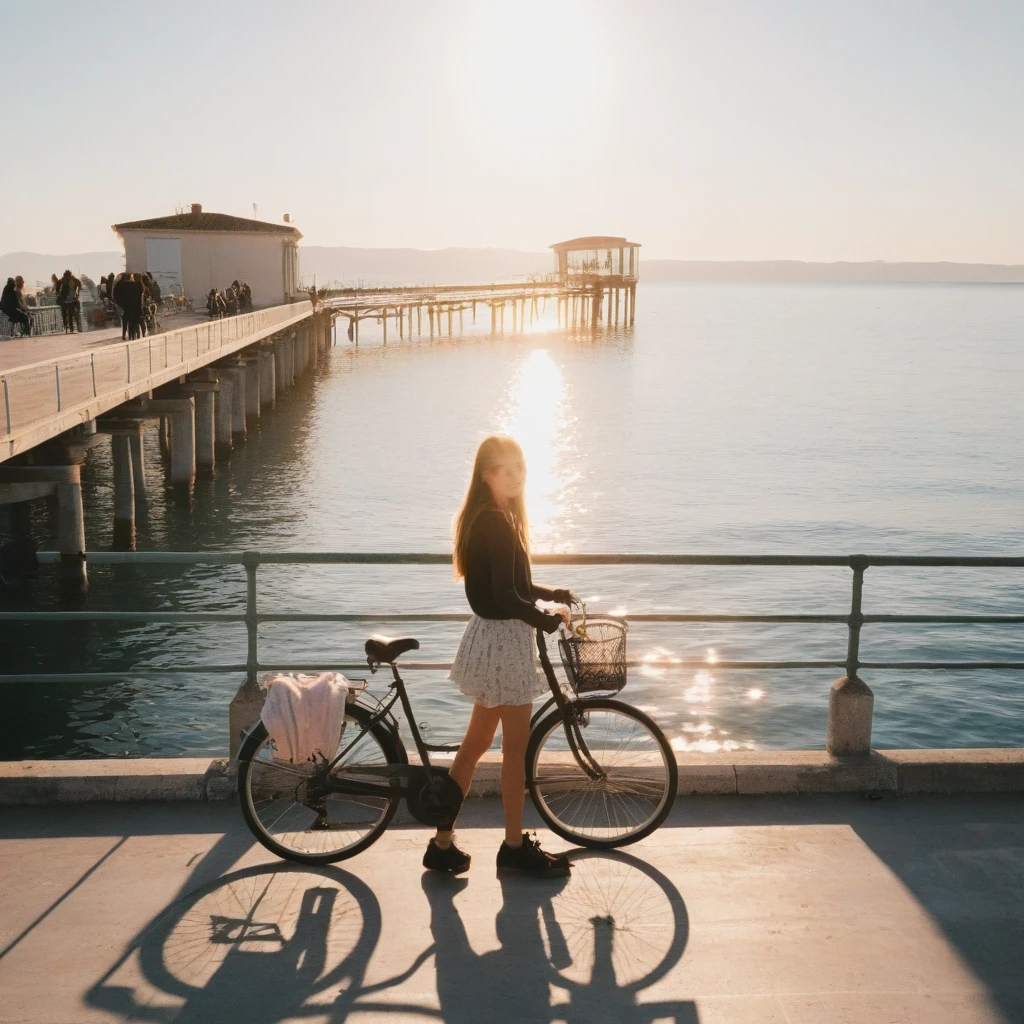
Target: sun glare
527 60
537 417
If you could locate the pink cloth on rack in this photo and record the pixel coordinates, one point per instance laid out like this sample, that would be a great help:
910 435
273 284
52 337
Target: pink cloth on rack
304 714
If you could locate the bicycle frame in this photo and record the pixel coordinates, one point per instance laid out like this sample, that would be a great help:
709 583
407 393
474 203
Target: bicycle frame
565 705
383 714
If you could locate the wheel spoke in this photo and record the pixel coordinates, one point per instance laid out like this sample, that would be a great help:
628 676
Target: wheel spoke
637 783
330 825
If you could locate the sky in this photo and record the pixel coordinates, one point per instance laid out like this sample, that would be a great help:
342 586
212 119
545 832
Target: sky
728 129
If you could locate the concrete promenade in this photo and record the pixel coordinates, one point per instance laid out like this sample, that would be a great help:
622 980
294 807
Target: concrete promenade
741 909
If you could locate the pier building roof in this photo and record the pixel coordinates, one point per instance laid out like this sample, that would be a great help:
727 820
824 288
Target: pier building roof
198 220
195 251
595 242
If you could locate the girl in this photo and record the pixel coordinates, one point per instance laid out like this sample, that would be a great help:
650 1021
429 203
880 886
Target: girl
496 663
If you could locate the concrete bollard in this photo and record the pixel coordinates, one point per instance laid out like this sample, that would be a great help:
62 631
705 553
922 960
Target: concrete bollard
850 708
124 490
244 709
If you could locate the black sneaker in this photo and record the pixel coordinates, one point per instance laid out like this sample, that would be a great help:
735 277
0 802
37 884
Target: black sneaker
452 860
530 859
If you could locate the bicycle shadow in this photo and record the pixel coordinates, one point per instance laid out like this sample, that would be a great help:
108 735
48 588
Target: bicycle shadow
280 941
260 945
578 950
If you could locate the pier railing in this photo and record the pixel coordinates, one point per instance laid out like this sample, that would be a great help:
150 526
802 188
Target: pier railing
254 615
77 385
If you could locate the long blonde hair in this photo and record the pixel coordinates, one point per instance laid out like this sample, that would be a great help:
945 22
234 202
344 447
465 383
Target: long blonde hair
480 497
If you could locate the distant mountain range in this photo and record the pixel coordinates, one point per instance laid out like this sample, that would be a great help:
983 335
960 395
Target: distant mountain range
36 267
797 270
341 264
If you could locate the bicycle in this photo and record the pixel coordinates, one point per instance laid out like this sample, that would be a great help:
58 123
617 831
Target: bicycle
611 783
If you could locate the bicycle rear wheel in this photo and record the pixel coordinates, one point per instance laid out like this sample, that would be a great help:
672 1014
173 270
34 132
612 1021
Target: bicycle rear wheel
638 779
299 825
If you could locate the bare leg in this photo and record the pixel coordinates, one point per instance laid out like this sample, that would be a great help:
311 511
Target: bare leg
515 733
482 724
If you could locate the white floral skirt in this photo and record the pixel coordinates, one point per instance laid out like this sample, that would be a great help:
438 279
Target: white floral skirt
497 663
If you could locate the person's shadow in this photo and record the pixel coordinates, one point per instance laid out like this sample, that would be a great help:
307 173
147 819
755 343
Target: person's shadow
558 957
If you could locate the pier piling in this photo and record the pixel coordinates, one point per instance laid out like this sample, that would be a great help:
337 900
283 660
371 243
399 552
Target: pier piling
268 389
124 490
202 386
236 374
252 386
280 365
222 413
135 439
183 436
205 431
71 531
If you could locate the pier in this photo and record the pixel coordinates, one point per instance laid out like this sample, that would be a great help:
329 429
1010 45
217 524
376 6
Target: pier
593 285
201 383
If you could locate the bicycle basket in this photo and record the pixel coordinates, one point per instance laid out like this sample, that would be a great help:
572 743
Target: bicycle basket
595 659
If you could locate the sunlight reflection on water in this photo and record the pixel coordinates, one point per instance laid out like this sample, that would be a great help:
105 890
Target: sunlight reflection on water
537 414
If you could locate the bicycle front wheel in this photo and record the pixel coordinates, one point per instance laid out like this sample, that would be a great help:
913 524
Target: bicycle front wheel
291 818
638 774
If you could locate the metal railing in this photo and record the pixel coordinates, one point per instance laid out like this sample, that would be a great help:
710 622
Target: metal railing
44 320
84 384
254 616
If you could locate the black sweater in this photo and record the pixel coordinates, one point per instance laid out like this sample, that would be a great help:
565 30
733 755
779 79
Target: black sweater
498 580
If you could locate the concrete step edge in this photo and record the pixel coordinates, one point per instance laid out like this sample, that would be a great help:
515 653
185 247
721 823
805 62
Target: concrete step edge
987 770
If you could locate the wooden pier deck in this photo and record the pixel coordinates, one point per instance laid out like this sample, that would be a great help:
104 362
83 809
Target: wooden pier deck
436 311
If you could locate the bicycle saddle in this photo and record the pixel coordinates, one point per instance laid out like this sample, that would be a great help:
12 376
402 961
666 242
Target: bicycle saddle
378 652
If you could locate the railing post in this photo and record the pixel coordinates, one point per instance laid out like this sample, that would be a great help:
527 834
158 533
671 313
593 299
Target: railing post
247 704
128 358
56 373
7 404
851 702
92 367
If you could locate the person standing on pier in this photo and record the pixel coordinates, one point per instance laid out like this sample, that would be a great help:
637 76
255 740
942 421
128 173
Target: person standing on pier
131 302
117 295
12 304
68 296
497 663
